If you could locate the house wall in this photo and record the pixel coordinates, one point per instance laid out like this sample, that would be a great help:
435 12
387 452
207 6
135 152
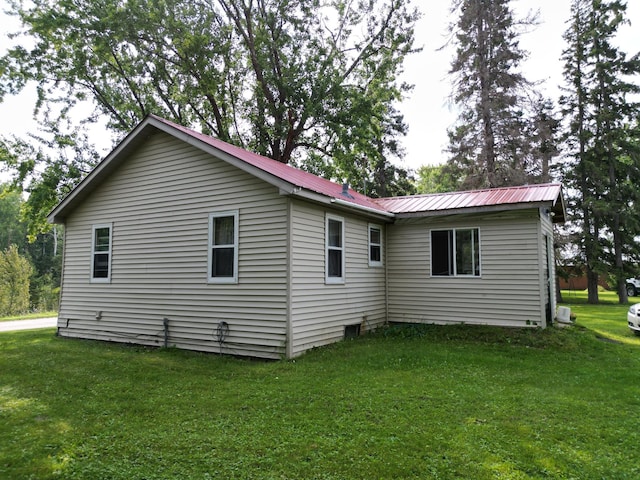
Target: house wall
159 201
507 293
320 312
547 260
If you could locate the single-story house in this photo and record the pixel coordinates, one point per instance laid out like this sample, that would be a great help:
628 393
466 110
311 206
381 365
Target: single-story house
180 239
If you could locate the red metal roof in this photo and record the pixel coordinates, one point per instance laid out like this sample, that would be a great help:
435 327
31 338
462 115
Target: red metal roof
302 182
527 194
295 176
414 204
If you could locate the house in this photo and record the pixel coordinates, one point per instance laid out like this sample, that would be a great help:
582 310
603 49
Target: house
180 239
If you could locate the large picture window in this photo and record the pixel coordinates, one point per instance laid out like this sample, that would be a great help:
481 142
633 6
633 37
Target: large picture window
101 253
455 252
223 247
334 239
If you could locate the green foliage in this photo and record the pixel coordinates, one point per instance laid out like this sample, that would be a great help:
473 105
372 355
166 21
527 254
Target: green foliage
13 231
435 179
295 80
15 273
459 402
499 134
43 251
603 142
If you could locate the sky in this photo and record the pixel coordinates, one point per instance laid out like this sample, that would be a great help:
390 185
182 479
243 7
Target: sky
426 109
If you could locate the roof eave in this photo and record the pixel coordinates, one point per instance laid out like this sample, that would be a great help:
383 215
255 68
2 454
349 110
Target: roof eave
131 141
474 210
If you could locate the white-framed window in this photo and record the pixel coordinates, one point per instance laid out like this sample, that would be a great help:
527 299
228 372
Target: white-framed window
455 252
223 247
334 243
375 245
101 253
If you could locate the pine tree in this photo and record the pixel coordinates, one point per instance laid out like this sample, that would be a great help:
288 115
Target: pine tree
487 145
602 140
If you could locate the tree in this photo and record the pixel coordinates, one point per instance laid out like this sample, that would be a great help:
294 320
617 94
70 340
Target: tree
434 179
602 141
487 146
15 272
294 80
13 231
42 252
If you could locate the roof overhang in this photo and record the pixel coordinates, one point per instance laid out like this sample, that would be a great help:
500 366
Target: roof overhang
152 125
389 209
557 214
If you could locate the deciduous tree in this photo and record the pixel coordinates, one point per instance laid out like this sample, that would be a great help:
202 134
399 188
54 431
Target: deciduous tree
305 81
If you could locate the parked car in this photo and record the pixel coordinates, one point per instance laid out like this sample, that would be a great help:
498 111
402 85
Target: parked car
633 318
633 287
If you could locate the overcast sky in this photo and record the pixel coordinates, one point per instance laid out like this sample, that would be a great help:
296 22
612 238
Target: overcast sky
426 109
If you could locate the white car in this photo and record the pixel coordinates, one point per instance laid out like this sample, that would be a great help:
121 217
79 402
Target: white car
633 318
633 287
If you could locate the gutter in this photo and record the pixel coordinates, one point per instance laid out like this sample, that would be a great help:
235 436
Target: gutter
369 210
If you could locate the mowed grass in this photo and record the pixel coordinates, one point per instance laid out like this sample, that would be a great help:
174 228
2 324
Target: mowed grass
407 402
608 319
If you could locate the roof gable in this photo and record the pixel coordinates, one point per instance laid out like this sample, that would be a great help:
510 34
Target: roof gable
294 176
296 182
291 180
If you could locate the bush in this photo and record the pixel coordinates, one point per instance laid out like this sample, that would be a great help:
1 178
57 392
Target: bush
15 272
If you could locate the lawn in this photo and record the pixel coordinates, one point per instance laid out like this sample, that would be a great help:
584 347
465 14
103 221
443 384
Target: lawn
607 320
414 402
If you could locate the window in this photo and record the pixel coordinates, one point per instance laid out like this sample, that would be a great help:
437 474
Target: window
101 253
334 239
455 252
223 247
375 246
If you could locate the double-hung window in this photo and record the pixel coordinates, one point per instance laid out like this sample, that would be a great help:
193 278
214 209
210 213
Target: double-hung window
455 252
223 247
375 246
334 244
101 253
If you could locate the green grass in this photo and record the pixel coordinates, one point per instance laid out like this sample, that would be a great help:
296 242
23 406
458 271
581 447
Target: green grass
413 402
607 320
29 316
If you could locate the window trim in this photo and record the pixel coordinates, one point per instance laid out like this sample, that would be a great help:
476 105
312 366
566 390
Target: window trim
332 280
453 249
375 263
234 278
94 228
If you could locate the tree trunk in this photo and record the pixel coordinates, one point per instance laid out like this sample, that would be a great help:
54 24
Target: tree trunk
592 286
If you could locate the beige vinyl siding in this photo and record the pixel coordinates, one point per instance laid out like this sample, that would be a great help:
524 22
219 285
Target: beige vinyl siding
508 292
547 255
159 203
320 311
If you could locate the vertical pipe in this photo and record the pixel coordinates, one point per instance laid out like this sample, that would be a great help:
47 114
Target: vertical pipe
165 323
